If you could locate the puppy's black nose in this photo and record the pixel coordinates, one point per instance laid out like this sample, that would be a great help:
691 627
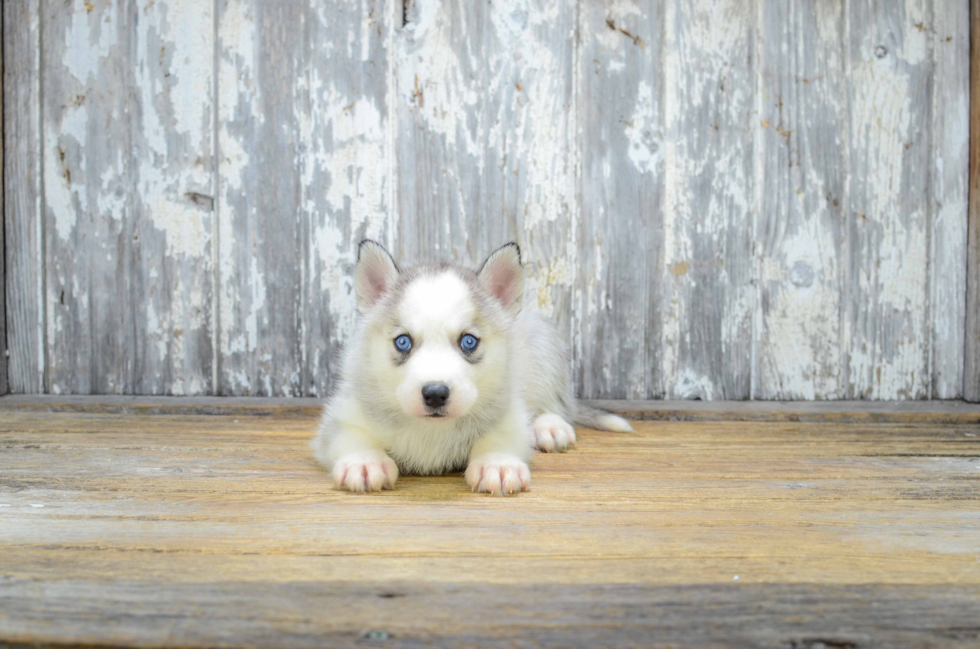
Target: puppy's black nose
435 395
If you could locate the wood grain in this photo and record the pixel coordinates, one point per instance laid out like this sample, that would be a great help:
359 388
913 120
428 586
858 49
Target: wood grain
412 614
261 234
619 230
799 237
709 102
303 139
971 370
949 180
3 263
128 196
23 197
887 331
940 412
485 139
202 531
345 153
724 201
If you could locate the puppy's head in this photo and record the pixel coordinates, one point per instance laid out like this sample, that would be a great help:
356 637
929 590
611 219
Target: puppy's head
436 342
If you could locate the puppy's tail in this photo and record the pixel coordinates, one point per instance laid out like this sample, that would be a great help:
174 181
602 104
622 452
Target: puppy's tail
599 419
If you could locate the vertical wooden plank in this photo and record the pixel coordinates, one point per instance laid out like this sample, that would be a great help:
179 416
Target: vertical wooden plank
530 154
261 235
802 122
128 194
485 146
710 122
971 373
22 197
88 242
344 159
304 177
887 329
949 170
3 263
441 129
173 143
619 234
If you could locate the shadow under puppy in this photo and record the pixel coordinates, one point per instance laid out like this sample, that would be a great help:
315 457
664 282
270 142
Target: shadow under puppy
446 373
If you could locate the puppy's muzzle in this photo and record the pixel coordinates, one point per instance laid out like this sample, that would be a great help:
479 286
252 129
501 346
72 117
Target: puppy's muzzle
435 396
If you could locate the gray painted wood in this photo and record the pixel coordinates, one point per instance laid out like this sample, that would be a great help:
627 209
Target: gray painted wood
23 196
88 243
709 118
714 200
346 178
442 130
128 184
971 371
949 38
260 239
887 325
3 263
303 119
485 138
799 238
620 225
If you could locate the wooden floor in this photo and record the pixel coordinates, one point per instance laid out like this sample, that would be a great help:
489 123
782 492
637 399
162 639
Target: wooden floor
182 530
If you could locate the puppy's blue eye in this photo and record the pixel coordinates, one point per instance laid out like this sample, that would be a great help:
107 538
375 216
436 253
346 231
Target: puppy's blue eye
403 343
468 342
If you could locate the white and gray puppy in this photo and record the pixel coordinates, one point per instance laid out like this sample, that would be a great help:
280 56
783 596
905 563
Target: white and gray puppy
446 372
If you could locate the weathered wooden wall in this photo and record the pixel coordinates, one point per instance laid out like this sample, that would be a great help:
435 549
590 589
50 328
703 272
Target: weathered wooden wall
716 200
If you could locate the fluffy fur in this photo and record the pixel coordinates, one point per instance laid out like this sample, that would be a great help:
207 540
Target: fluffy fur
510 394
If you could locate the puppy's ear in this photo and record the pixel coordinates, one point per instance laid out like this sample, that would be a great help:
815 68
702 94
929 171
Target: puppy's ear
503 277
374 274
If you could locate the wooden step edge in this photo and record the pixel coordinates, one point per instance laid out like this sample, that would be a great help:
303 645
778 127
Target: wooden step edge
952 412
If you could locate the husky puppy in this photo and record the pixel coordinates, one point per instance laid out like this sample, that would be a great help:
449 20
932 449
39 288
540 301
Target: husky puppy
447 373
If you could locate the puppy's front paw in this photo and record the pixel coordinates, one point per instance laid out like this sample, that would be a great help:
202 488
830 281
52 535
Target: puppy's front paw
498 473
552 433
369 471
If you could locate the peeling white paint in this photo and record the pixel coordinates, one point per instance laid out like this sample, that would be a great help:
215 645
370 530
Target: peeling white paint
887 353
89 40
496 113
800 328
64 171
707 145
951 141
643 132
688 384
435 83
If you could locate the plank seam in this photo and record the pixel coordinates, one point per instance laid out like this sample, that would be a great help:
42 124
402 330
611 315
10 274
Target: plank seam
758 174
4 345
947 411
844 271
397 15
216 214
41 211
930 211
133 368
305 229
971 370
578 194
